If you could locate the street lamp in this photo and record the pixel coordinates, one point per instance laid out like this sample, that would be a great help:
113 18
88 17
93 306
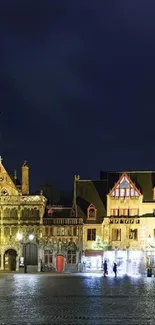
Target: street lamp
30 238
19 236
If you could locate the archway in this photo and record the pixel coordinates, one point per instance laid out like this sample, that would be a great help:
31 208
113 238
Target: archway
10 259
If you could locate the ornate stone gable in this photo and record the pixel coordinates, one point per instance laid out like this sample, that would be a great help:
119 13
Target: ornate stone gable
7 186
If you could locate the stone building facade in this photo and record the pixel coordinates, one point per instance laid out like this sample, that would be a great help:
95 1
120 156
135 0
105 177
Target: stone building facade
21 215
45 238
119 220
62 234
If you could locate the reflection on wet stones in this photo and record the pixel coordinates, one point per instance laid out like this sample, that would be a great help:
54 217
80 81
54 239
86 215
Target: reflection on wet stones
39 299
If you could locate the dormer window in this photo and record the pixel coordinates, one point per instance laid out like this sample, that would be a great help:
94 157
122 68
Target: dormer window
72 213
91 212
50 212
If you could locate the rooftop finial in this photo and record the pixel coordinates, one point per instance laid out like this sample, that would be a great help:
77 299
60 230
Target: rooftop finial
1 159
25 163
15 174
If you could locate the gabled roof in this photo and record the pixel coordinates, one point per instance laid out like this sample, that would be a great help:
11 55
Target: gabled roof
91 192
125 178
143 180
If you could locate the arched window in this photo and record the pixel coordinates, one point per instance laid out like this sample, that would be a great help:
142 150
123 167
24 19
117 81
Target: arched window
6 231
14 231
13 213
6 213
72 213
91 212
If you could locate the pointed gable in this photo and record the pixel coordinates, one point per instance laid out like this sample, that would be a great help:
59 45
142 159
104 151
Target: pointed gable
7 186
124 188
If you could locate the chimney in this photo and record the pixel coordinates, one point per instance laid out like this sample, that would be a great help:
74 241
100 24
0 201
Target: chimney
25 179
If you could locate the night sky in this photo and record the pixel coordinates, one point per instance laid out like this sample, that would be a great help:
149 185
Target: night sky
77 87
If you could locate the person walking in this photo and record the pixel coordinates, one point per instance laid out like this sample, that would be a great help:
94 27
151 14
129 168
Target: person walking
105 268
115 269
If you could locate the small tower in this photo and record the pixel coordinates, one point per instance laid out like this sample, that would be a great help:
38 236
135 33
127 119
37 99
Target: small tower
25 179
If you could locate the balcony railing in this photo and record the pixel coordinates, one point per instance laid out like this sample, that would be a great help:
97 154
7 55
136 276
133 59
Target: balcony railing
62 221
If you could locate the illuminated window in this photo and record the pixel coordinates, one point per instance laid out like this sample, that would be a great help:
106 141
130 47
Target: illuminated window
117 192
122 192
127 192
51 231
114 212
123 212
60 231
124 188
116 234
46 231
91 234
71 257
134 212
133 234
91 212
75 231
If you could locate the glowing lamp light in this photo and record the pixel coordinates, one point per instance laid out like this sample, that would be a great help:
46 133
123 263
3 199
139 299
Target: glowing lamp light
31 237
19 236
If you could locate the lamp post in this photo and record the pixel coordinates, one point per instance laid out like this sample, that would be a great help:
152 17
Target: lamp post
30 239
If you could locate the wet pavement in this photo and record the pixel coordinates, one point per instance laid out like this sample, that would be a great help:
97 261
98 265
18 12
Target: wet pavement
70 299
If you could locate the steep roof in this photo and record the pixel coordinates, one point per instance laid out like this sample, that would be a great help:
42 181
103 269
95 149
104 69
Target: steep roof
144 181
91 192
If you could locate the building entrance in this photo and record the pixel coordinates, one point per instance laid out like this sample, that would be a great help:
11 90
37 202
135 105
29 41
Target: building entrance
10 260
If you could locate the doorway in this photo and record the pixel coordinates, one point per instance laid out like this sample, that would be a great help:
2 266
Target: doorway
30 253
10 260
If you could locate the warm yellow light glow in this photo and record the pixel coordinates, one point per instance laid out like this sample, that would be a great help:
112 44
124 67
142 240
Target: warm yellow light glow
19 236
31 237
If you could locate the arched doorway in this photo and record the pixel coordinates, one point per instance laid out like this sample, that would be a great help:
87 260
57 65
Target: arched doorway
10 260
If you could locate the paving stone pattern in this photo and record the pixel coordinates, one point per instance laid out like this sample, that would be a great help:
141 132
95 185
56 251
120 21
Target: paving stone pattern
69 299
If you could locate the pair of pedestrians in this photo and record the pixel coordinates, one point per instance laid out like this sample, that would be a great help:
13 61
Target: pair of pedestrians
105 269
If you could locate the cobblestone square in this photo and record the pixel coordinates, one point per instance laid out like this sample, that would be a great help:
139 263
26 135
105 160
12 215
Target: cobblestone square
76 299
